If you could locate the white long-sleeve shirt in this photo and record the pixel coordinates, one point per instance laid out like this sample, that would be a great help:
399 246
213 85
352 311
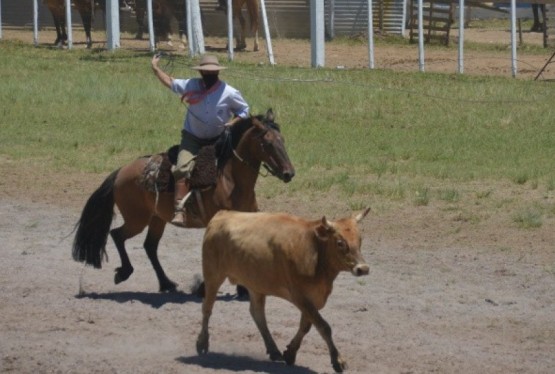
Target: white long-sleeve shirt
205 119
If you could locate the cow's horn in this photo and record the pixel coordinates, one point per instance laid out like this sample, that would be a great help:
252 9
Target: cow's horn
361 215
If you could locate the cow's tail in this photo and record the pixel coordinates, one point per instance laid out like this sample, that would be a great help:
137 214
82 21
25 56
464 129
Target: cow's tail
89 245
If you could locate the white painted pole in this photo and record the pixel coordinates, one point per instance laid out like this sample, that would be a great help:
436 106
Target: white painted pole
35 23
513 37
269 50
461 37
68 25
370 35
317 33
229 30
112 24
151 42
190 38
197 27
420 37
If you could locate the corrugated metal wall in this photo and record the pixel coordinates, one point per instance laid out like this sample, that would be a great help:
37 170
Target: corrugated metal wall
351 16
286 18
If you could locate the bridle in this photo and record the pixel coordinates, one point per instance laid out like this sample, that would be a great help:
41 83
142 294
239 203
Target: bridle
269 170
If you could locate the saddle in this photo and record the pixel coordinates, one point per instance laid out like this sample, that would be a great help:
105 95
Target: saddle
157 175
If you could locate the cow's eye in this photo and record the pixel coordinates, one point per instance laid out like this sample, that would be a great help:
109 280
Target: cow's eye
341 244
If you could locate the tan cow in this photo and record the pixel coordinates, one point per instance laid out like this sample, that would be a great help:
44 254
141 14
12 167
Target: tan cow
280 255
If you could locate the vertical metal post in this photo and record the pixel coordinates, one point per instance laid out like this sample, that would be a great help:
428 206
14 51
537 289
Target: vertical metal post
112 27
197 27
332 19
267 35
370 35
190 38
229 30
513 37
0 19
68 24
35 23
317 33
420 37
151 42
461 37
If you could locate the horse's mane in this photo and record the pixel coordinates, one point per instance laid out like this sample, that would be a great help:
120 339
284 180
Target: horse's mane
229 139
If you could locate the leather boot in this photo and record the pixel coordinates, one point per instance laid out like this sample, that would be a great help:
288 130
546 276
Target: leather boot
181 189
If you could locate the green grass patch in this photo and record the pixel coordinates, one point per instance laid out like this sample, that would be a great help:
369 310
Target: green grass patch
357 133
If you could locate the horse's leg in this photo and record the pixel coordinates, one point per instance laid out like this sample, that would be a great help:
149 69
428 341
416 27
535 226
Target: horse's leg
85 11
254 15
140 10
58 17
135 218
241 44
119 236
155 231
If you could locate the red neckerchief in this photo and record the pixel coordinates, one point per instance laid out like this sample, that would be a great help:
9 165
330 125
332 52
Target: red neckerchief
195 97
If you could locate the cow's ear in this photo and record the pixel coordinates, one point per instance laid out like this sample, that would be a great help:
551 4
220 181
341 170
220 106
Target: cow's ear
324 229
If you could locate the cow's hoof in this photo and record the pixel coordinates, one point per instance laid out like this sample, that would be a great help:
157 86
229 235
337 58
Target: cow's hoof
202 345
122 274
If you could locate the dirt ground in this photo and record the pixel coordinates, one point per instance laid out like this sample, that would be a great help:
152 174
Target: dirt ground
341 55
448 292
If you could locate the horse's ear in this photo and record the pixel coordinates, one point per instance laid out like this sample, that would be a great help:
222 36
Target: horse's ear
270 115
256 122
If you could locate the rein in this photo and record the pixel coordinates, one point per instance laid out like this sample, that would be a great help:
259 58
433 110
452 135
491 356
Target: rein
245 162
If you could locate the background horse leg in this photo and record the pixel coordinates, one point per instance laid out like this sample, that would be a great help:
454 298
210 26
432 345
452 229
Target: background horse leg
252 6
237 10
155 231
85 9
140 11
57 9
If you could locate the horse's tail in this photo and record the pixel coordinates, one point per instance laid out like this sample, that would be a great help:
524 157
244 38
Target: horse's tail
89 245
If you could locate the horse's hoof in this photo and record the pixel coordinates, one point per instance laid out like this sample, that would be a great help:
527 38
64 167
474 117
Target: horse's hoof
289 356
242 293
339 366
122 275
200 291
168 286
276 356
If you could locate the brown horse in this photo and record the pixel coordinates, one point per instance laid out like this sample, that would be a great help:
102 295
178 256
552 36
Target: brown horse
58 10
253 10
254 142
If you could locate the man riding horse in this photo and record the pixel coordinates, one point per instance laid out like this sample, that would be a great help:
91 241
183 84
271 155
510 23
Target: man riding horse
211 106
